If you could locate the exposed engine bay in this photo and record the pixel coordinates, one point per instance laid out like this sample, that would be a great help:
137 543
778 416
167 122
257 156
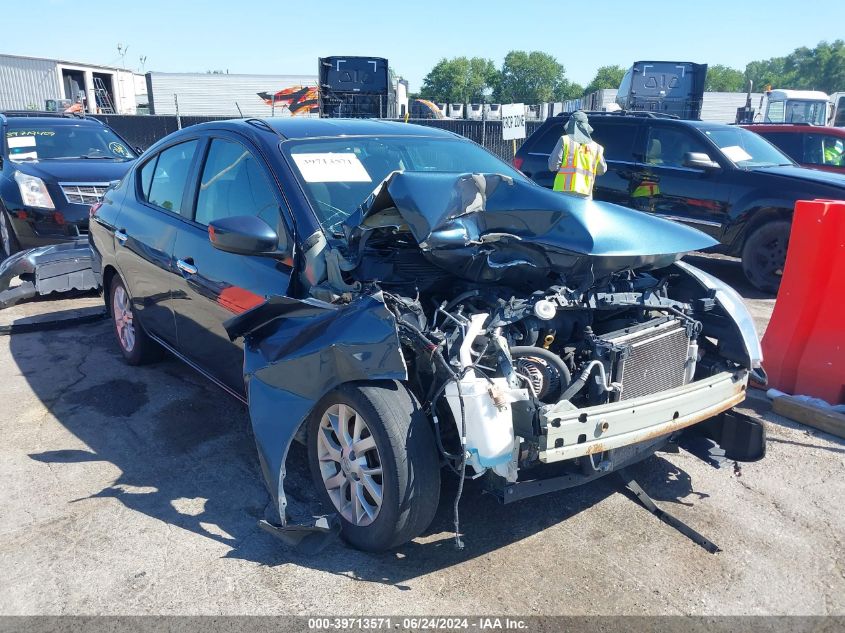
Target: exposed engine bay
536 330
497 329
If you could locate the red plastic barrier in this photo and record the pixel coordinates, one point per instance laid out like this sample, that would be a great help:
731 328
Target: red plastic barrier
804 345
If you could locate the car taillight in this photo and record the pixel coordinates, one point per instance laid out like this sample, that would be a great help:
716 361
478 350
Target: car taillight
58 218
92 210
517 162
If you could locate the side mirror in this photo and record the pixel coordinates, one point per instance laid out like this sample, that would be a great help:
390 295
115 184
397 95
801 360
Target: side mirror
699 160
243 235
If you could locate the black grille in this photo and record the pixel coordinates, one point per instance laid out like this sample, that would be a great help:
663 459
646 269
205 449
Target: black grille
651 360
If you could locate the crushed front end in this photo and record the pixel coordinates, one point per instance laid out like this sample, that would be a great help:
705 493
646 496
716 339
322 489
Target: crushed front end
550 340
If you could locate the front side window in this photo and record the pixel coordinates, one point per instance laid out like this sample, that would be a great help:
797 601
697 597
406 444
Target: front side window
233 184
668 146
163 178
839 121
824 149
45 141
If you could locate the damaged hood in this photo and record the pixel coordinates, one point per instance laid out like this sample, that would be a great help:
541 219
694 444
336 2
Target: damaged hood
486 227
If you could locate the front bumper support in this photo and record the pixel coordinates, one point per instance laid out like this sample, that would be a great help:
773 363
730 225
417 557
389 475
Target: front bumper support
55 268
572 432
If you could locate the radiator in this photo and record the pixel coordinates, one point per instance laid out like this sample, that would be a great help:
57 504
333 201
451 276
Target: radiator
649 358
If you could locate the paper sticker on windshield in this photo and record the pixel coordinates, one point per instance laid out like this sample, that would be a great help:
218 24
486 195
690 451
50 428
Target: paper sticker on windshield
22 148
21 141
736 154
331 167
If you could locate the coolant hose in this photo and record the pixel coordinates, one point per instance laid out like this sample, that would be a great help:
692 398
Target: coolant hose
550 357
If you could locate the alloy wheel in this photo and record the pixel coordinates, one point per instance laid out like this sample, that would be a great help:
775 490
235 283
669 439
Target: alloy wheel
123 321
350 464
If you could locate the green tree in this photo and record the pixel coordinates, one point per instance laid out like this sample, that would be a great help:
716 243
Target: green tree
526 77
606 77
459 80
724 79
566 90
819 68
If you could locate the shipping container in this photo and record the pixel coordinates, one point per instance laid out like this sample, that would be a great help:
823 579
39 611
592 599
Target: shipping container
214 94
28 83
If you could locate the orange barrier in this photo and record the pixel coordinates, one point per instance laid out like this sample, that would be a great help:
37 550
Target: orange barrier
804 345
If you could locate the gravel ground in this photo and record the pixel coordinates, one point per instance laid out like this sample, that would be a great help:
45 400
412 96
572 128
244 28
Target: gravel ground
137 491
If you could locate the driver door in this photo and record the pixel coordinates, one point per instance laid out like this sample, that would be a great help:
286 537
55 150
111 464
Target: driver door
695 196
212 286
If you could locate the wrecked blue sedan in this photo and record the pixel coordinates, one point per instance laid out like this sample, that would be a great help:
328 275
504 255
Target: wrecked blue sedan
406 304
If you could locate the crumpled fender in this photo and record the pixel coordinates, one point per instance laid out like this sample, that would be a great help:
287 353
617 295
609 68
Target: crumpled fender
297 351
55 268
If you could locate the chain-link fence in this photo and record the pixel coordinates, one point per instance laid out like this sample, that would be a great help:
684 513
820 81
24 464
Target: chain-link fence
143 131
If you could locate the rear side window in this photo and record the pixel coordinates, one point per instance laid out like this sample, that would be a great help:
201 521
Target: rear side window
164 177
617 139
788 143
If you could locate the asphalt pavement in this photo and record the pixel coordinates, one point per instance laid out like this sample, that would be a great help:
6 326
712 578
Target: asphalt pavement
137 491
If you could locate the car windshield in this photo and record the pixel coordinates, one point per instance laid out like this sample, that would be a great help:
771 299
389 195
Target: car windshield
338 174
42 141
746 149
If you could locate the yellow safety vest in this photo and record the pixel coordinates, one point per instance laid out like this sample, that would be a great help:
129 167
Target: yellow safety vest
833 156
578 166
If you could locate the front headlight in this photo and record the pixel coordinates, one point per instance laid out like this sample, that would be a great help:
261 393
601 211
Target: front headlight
33 191
734 306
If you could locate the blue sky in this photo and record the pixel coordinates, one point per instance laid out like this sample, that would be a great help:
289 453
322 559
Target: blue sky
286 37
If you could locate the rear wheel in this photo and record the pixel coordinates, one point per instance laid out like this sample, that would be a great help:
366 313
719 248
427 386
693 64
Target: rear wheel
764 255
8 242
135 345
373 459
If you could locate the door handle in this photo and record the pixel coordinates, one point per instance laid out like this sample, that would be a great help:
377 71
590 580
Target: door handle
121 236
186 266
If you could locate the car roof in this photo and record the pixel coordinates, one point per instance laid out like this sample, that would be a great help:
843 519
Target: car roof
301 128
795 128
646 117
51 120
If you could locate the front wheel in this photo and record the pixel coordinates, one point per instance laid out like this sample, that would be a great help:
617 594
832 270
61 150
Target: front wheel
764 255
372 456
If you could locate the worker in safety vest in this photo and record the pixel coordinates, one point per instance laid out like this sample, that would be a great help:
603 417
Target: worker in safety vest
577 158
833 152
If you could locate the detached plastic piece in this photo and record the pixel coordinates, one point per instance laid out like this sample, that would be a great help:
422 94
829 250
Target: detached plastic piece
742 437
56 268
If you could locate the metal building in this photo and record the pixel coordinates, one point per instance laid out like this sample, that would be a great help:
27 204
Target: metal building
214 94
29 83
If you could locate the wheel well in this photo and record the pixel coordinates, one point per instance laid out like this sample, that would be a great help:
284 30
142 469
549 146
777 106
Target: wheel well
759 217
108 275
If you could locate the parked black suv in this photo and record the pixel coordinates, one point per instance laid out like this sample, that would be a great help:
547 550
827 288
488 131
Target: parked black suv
722 179
54 167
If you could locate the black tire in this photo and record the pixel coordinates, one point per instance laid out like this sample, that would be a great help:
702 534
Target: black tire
764 255
408 458
8 240
143 349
